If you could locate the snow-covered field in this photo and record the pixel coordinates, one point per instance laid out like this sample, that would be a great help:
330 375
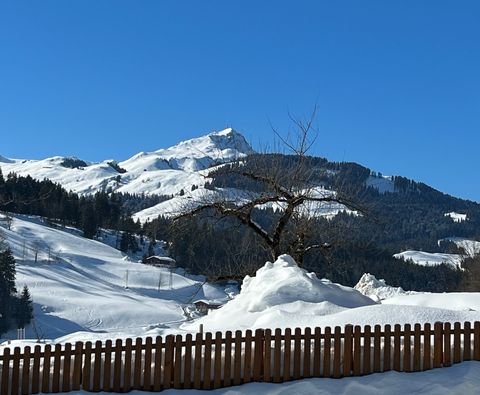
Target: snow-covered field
86 290
431 258
463 379
470 248
81 292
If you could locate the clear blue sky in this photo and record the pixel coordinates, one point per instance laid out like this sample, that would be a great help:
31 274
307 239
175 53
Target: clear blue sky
397 83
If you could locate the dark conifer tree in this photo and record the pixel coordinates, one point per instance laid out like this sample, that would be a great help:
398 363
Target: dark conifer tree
7 287
24 308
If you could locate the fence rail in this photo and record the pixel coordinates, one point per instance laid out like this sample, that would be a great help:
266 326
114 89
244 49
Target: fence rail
207 361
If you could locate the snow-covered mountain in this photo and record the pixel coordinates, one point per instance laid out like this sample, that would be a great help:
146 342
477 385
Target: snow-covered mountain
164 172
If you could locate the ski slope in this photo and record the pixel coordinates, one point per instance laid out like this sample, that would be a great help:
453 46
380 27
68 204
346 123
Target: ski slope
86 290
81 285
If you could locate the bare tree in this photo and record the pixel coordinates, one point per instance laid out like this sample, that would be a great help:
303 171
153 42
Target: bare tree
284 184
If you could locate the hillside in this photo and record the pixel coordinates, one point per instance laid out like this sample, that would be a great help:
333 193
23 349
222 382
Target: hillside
86 287
401 218
161 172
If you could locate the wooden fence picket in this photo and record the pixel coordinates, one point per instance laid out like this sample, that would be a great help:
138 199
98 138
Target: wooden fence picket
178 365
157 371
277 368
36 371
317 352
357 351
427 359
217 368
227 369
387 349
287 354
457 342
397 344
467 346
247 357
407 348
337 352
267 361
46 369
97 366
417 352
212 361
377 348
476 341
127 379
348 351
237 367
117 366
26 371
297 353
366 350
307 344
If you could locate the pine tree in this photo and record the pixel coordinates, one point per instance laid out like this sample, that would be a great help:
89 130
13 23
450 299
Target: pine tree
7 287
24 308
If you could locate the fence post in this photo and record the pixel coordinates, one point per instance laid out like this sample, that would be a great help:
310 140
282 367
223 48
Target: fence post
97 366
396 348
26 370
337 352
348 351
217 370
307 340
247 365
417 352
267 359
447 347
187 373
5 370
197 364
168 365
297 353
438 345
46 369
77 366
476 341
427 359
207 361
367 369
67 360
227 369
35 371
467 344
287 347
317 352
178 366
357 351
258 357
457 356
277 365
407 348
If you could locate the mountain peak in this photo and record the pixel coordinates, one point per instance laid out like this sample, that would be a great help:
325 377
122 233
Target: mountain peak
204 151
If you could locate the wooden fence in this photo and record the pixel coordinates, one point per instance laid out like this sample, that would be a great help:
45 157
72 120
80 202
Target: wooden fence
207 361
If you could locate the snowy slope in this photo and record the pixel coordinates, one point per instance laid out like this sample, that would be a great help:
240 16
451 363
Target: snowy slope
460 379
471 248
431 259
78 285
79 292
164 172
283 295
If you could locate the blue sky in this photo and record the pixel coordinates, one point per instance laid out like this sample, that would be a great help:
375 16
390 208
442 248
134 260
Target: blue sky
397 83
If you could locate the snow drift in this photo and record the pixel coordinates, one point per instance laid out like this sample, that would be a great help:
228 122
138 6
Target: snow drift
280 294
